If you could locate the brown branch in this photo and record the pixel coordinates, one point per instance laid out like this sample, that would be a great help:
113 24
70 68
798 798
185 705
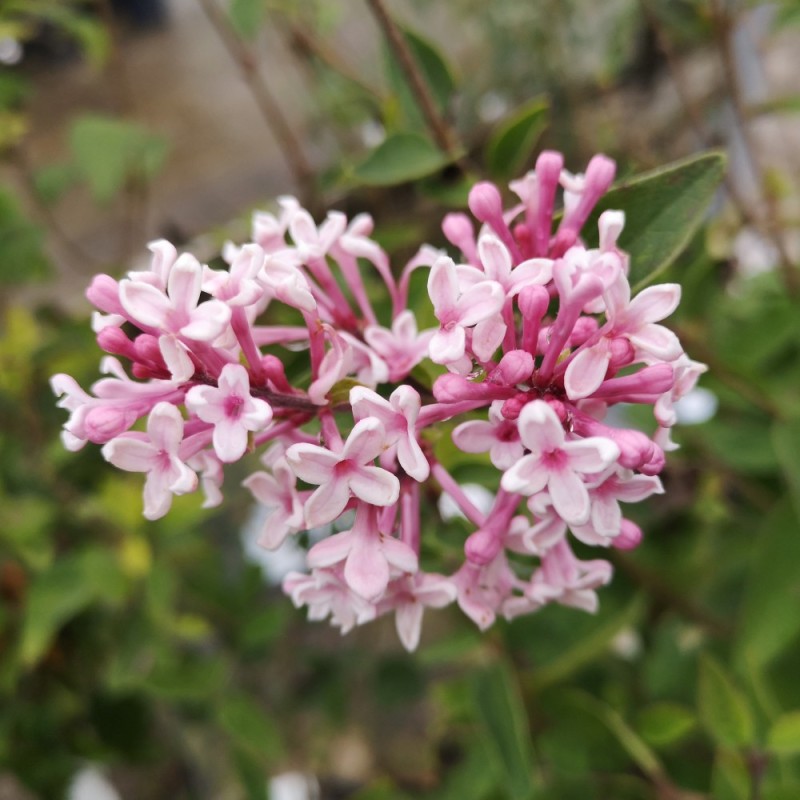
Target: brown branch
270 110
694 114
443 134
723 25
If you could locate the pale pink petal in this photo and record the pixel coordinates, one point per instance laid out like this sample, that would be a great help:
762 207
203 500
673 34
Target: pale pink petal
475 436
130 454
184 284
374 485
434 590
480 302
399 554
265 489
505 454
443 285
176 357
182 480
535 272
587 370
312 463
570 497
165 427
539 428
412 459
144 303
527 476
606 515
408 621
487 336
447 345
638 487
591 455
366 569
157 497
327 502
331 550
654 303
365 442
208 321
229 439
366 403
495 258
658 341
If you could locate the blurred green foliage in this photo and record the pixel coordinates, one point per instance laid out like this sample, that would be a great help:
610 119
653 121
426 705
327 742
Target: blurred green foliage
157 650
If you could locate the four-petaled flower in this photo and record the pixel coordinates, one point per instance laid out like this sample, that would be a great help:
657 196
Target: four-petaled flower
231 409
157 454
557 464
340 474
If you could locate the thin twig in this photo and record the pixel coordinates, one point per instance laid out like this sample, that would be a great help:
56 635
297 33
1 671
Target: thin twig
267 105
697 121
443 134
307 44
723 25
75 251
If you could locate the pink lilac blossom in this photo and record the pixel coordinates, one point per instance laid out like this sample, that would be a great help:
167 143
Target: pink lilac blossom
538 337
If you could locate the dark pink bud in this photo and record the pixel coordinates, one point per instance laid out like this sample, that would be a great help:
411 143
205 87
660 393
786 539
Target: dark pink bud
533 302
524 239
454 388
548 171
656 462
105 422
653 380
146 349
482 547
114 340
584 328
514 367
485 202
629 537
512 407
622 353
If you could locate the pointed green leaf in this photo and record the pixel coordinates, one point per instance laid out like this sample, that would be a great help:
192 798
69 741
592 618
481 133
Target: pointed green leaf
510 146
633 744
110 152
400 158
730 778
772 587
663 209
500 709
786 441
435 71
662 724
249 728
723 708
784 735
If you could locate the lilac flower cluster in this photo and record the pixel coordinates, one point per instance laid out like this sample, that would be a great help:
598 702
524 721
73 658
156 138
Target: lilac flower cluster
538 338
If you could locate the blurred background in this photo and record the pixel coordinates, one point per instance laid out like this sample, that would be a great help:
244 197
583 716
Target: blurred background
145 660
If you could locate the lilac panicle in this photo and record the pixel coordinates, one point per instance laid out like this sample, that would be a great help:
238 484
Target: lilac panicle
537 337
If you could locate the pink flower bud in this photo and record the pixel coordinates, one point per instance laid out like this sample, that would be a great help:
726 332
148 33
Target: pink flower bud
515 367
533 302
113 340
103 423
622 353
459 231
482 547
485 202
629 538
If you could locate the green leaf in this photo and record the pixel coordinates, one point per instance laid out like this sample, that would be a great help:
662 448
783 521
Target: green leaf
632 743
400 158
500 709
247 17
663 209
587 648
786 441
435 71
730 778
249 728
58 595
784 735
510 146
773 586
723 708
663 724
53 181
110 153
22 245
